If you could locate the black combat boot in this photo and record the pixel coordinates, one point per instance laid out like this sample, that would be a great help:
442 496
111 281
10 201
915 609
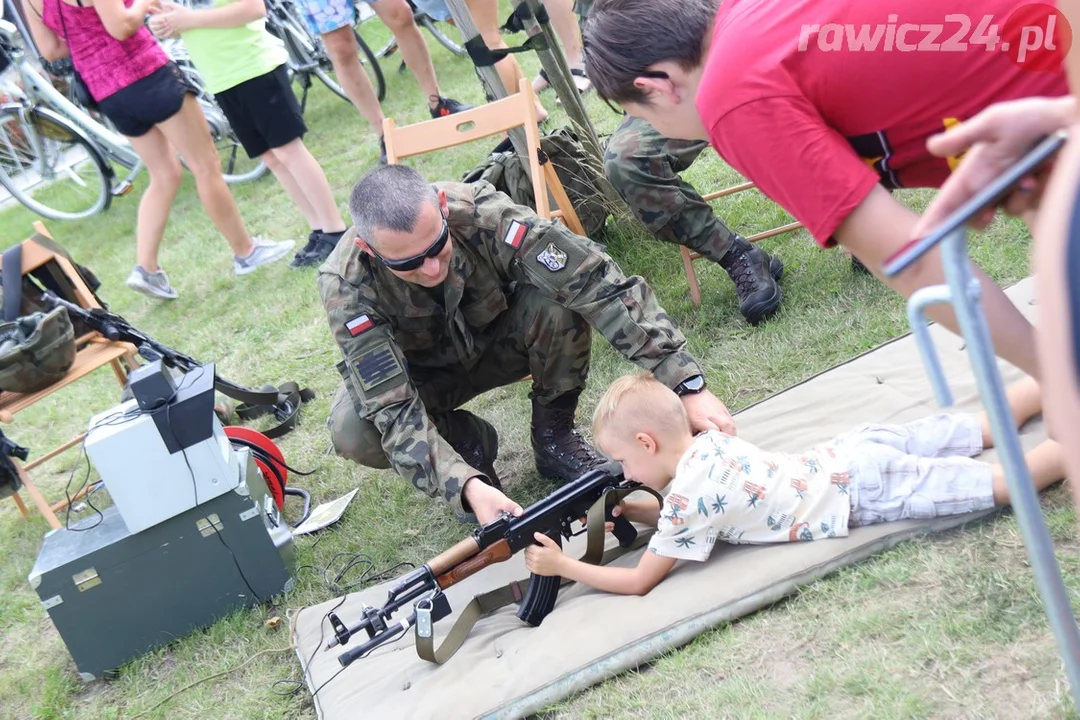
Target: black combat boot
755 275
561 453
476 441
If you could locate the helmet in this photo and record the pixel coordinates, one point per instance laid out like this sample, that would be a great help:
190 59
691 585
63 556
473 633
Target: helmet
36 351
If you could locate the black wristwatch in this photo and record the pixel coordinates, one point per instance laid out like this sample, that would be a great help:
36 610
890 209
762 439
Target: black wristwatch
690 385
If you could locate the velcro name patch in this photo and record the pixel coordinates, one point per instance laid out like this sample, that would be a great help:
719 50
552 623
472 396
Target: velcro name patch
515 234
359 324
378 366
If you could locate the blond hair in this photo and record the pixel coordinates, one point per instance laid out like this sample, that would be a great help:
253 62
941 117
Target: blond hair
640 403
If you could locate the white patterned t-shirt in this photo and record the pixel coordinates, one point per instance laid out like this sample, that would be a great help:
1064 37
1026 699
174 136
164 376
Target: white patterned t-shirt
728 489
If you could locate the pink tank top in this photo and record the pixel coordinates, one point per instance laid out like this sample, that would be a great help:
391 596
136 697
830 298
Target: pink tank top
105 63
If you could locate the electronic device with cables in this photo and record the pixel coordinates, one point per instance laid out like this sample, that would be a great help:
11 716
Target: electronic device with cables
165 451
114 595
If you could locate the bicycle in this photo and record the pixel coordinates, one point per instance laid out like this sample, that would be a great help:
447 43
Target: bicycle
386 43
307 54
57 160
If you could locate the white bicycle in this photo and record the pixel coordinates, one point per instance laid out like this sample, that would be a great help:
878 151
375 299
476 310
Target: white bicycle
57 160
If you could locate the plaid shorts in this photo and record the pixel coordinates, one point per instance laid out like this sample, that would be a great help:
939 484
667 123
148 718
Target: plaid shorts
924 469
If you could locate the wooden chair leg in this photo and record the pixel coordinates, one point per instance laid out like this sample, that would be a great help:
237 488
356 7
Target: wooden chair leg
691 277
119 371
21 505
36 496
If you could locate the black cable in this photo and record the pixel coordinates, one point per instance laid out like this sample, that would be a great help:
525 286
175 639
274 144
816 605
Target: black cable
336 589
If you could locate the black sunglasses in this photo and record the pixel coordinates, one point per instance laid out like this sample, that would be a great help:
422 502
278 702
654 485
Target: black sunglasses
416 261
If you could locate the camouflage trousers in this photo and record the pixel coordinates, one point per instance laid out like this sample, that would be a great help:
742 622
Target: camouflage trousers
534 337
644 167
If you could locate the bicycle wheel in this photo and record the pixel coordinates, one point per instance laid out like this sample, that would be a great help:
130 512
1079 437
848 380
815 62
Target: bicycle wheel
432 26
325 71
51 166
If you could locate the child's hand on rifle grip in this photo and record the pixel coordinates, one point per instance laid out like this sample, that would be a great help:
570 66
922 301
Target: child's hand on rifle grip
616 510
545 558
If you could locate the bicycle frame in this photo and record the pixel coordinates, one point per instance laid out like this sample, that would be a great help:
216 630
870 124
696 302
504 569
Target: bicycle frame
36 89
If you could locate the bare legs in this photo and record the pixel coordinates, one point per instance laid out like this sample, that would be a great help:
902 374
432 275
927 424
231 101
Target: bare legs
1045 462
306 185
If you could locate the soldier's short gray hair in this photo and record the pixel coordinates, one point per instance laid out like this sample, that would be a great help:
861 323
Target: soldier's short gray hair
389 197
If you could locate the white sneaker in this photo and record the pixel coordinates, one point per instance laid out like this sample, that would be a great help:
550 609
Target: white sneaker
154 284
264 253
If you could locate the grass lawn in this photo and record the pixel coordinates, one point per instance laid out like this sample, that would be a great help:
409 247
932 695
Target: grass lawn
949 627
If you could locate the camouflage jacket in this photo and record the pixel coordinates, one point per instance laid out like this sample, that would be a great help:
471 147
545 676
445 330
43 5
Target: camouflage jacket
386 326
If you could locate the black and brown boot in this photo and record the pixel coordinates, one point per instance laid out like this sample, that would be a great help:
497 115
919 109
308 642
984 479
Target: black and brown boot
755 274
561 453
476 441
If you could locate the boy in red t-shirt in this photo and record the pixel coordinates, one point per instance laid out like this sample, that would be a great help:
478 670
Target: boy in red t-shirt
827 106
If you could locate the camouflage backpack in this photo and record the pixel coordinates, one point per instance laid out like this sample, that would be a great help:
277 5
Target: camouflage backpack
508 174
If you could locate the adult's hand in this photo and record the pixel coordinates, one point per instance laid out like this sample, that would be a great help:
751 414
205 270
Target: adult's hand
993 140
706 412
488 503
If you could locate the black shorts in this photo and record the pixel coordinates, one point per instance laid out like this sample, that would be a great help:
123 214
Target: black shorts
136 109
263 112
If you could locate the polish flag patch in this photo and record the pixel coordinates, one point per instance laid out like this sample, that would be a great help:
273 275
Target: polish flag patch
515 234
359 324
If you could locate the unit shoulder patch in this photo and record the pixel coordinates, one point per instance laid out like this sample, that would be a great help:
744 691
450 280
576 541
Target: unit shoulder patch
552 258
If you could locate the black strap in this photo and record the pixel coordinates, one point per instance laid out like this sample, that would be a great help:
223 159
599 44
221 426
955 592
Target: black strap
11 276
483 56
284 402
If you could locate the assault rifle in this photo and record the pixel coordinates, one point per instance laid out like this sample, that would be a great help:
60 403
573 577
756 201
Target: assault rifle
593 494
284 402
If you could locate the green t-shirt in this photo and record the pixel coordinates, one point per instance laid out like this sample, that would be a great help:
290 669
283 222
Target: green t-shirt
226 57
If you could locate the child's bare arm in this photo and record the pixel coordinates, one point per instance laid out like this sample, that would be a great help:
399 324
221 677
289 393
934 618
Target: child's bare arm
548 559
646 512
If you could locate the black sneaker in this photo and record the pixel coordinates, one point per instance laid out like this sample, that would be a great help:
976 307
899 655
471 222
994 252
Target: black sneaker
318 248
755 274
312 241
448 106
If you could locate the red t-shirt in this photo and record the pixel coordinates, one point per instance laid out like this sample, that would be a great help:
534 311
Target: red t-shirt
816 127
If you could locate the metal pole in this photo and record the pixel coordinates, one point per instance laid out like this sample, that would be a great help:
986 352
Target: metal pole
489 76
964 296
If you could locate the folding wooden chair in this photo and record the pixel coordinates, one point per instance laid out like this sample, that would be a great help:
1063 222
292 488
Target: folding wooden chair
495 117
689 257
95 351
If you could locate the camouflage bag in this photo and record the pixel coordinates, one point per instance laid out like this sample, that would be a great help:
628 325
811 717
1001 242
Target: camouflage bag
506 171
37 341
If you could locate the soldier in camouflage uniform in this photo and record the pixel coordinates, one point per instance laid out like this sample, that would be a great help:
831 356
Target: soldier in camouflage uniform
441 293
643 166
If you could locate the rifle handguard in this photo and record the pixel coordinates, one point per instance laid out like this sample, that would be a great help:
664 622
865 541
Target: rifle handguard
447 559
497 552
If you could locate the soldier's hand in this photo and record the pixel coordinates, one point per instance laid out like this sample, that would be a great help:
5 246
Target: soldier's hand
706 412
487 502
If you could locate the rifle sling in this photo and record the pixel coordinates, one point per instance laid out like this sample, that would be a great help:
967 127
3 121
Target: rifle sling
513 592
283 401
